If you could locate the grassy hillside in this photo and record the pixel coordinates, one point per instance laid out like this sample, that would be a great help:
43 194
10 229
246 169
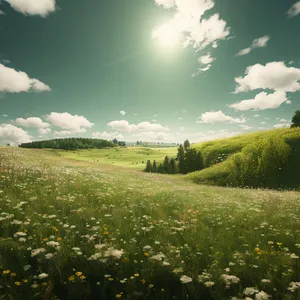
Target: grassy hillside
132 157
78 230
220 173
219 150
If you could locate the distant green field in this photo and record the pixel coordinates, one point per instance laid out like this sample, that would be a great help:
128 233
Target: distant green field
132 157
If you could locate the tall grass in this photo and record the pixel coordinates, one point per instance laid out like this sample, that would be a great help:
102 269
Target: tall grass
76 230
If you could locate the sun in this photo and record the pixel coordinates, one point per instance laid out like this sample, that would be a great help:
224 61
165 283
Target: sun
167 36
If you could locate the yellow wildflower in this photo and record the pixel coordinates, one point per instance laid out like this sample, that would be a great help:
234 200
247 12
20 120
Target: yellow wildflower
136 275
17 283
118 296
6 272
13 274
270 242
78 274
25 280
82 277
45 239
71 278
110 279
59 239
150 286
279 244
146 254
143 281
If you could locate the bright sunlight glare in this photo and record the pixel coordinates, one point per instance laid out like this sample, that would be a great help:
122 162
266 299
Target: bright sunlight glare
166 36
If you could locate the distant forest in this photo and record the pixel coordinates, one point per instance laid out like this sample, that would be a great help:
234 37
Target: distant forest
73 143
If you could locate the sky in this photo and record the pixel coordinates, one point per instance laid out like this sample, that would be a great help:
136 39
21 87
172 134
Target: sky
150 70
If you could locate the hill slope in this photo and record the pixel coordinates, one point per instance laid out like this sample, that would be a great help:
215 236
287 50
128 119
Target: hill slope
219 174
95 231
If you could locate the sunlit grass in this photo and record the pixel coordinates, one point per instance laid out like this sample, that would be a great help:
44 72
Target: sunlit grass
80 230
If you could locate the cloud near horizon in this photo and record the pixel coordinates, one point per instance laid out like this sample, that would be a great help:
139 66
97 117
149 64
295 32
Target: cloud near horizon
218 117
69 123
13 135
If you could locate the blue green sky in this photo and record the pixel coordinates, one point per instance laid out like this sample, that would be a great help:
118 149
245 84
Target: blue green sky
152 70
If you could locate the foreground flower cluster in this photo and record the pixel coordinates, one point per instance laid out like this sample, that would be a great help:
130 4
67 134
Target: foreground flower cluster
72 230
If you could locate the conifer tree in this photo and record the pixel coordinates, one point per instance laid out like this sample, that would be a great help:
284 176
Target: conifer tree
148 166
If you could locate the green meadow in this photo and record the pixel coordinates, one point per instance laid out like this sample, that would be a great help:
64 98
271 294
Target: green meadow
77 229
131 157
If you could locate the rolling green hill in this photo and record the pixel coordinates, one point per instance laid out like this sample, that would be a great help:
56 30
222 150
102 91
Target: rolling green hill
223 152
219 150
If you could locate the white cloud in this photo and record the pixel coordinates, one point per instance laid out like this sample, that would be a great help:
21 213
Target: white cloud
68 122
262 123
5 115
165 3
33 122
245 127
274 75
122 112
124 126
282 125
219 117
107 135
256 116
44 130
13 81
244 52
206 59
294 10
257 43
33 7
13 135
261 101
189 24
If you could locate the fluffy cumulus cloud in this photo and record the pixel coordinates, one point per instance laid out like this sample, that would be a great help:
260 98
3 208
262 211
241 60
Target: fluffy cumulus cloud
189 24
294 10
108 135
125 126
261 101
69 123
218 117
257 43
33 122
205 61
33 7
44 130
13 81
274 75
143 130
123 113
13 135
283 123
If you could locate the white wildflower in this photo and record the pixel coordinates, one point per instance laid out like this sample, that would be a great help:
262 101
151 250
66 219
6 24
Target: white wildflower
185 279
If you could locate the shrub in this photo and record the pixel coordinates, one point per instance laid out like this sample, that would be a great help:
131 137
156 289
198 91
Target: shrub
260 164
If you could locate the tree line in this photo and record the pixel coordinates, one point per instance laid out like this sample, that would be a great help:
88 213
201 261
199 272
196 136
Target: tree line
73 143
187 160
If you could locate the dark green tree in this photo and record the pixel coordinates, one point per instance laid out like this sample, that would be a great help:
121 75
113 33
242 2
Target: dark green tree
181 159
160 169
148 166
154 167
296 119
173 167
186 145
166 165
